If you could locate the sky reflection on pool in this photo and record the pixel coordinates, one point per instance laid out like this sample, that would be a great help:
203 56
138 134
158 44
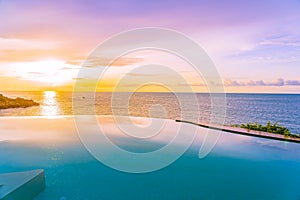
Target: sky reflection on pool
239 167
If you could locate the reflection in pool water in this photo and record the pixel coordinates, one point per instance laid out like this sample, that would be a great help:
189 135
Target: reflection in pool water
239 167
50 106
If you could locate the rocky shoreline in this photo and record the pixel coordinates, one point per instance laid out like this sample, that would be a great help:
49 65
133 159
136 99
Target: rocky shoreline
6 102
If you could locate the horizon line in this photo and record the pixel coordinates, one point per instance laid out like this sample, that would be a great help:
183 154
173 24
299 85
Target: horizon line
68 91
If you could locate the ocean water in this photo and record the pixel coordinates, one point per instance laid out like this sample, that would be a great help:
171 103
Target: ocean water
240 108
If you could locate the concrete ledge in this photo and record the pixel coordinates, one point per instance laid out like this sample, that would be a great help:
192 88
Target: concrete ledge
21 185
242 131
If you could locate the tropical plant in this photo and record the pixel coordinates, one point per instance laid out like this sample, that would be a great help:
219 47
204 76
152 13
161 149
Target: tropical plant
270 128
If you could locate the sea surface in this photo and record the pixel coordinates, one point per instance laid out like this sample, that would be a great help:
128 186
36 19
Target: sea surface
240 108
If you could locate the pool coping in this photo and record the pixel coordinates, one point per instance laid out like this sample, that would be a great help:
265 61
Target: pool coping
242 131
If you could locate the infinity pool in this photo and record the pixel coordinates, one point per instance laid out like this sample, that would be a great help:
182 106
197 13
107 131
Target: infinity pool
238 167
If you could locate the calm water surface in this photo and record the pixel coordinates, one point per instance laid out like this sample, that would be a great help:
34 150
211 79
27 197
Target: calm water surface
241 108
238 168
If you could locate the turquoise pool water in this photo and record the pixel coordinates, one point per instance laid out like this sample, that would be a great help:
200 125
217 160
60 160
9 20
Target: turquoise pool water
239 167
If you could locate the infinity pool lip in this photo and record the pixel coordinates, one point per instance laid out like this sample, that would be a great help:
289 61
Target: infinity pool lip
62 129
242 131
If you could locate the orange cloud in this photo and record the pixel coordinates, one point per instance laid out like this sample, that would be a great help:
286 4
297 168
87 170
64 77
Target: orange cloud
119 62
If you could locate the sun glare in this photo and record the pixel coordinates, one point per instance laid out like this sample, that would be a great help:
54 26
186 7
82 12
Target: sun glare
52 72
50 105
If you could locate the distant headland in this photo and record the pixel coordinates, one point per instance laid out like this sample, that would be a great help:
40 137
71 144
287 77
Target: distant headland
6 102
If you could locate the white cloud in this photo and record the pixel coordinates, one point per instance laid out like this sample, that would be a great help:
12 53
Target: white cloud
23 44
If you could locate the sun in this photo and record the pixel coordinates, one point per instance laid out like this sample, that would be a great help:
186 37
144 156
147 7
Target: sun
50 72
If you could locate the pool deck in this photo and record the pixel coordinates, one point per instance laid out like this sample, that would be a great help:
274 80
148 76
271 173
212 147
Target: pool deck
243 131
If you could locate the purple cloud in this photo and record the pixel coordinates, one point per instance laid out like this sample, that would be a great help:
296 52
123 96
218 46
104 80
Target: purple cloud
278 82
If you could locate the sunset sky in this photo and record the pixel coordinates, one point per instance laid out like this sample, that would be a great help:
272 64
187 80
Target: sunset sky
255 45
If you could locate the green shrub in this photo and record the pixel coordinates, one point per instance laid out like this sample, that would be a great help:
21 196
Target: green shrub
270 128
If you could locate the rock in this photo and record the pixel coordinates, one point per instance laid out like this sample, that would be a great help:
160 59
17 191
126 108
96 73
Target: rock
6 102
